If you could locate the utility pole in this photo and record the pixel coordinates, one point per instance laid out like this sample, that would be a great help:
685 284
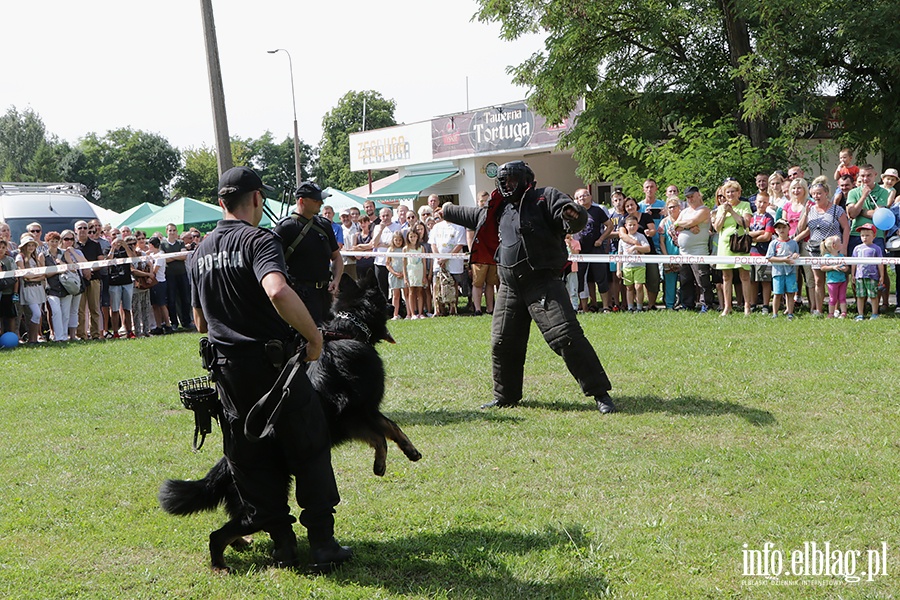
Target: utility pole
216 90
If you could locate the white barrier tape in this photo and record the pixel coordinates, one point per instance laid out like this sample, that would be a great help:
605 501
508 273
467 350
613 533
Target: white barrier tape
676 259
54 269
684 259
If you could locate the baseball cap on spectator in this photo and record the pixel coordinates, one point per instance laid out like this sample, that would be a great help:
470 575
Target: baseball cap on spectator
892 173
308 189
345 212
691 189
27 238
781 223
867 226
238 180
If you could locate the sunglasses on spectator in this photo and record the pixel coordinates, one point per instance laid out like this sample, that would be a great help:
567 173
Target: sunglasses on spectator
68 239
82 227
38 230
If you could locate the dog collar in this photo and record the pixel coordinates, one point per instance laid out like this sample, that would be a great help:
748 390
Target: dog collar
355 320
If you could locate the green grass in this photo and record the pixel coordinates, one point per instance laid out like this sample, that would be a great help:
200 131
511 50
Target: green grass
731 431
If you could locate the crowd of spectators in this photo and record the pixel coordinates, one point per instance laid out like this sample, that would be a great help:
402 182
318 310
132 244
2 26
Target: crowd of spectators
821 223
128 300
786 217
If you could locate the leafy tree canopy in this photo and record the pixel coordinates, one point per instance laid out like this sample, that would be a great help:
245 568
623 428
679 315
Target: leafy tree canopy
347 117
129 167
198 176
645 68
26 152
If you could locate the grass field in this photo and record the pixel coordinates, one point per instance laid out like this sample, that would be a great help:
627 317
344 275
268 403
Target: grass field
732 432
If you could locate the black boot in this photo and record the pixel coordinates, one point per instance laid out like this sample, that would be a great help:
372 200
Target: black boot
285 552
325 556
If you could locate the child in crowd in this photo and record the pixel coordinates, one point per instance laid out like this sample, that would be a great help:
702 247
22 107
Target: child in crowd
414 266
781 253
846 166
868 277
835 277
633 274
396 277
574 247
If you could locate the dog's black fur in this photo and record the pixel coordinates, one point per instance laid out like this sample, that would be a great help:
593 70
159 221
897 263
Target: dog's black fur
349 377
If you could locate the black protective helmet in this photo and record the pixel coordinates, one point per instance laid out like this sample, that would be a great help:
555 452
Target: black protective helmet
514 178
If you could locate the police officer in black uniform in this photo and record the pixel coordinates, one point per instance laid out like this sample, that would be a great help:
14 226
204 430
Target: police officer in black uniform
530 225
311 251
242 300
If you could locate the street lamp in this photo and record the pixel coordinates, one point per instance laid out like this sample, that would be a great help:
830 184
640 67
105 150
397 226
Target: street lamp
294 99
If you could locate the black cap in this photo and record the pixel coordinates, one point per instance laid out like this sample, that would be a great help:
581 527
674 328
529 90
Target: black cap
308 189
238 180
691 189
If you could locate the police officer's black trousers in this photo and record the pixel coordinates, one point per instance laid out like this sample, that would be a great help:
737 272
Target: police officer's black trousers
300 447
539 296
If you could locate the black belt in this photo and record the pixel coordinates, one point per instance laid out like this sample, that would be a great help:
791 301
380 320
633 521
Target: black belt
314 284
241 350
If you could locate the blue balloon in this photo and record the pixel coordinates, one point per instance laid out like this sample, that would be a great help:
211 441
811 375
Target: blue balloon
883 218
9 340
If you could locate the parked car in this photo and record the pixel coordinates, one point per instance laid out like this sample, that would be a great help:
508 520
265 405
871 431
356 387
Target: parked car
56 206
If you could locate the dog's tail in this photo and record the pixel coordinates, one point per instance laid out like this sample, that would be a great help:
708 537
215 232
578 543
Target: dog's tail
180 497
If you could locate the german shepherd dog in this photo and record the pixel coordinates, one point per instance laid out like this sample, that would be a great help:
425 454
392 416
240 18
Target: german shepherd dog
349 376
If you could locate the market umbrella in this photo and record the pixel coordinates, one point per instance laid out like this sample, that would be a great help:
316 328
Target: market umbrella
136 213
105 215
184 213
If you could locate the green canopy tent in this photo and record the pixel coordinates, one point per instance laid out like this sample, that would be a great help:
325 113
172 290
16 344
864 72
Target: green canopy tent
338 200
185 213
279 209
136 213
342 200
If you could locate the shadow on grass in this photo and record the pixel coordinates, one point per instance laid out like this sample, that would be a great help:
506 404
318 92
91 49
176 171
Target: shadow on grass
447 417
681 405
467 564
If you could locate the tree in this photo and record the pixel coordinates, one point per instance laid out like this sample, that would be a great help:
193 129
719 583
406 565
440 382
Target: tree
645 67
26 153
198 176
128 167
333 167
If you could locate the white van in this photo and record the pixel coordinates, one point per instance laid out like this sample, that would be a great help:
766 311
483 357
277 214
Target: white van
56 206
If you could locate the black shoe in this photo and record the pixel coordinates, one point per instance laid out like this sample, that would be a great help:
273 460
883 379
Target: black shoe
498 404
285 553
605 404
324 558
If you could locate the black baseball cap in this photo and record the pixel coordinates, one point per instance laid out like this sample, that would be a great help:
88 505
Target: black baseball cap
308 189
238 180
692 189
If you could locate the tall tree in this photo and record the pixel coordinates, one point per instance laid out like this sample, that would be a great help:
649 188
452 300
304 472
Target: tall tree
333 167
26 153
645 67
128 166
198 175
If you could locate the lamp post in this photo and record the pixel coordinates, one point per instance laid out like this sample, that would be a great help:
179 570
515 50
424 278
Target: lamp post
294 105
